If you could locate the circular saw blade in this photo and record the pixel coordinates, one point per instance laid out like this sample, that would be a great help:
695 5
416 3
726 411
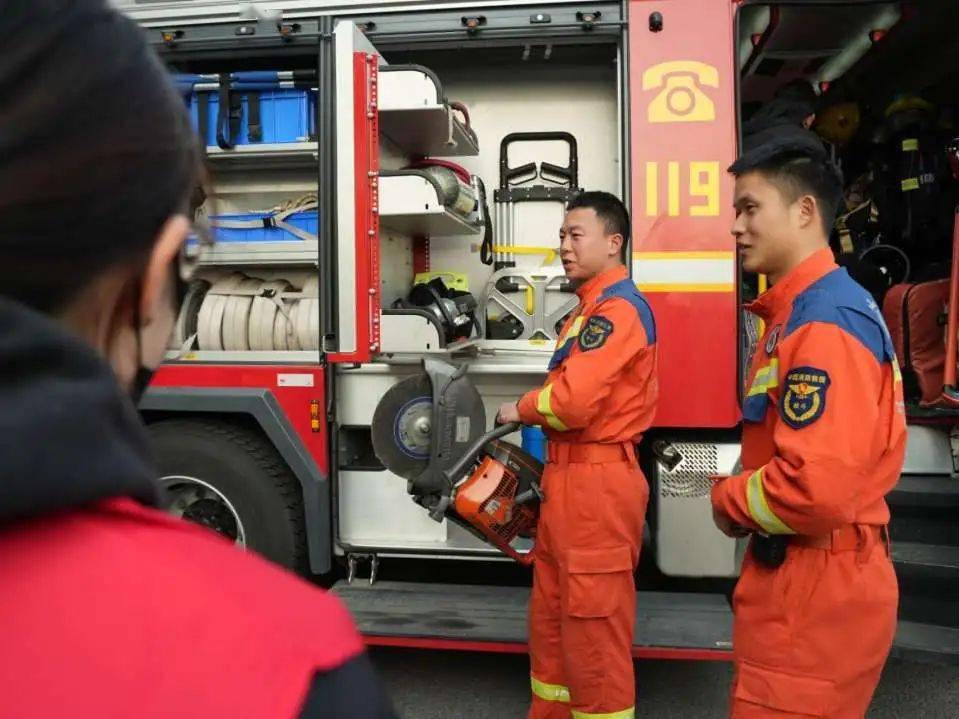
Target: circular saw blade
401 428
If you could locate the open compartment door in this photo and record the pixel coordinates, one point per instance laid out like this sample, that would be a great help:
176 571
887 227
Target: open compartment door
354 176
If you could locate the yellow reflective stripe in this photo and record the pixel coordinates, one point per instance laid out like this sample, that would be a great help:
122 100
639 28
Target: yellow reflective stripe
549 692
573 331
766 378
759 508
896 371
910 145
910 184
624 714
545 408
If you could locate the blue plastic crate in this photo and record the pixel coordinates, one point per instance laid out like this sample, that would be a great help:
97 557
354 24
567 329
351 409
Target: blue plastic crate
285 116
307 220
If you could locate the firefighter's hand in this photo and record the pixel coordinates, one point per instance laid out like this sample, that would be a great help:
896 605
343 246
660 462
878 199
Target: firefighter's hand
508 412
727 526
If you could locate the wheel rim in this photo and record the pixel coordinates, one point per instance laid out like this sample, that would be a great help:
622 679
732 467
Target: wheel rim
200 502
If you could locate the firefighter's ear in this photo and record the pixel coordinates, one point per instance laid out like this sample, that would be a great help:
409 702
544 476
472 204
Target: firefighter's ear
615 244
808 211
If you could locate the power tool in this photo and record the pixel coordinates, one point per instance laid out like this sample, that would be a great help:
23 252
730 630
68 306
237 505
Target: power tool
430 429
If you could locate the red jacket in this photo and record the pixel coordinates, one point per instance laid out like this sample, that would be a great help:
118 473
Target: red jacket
109 608
120 611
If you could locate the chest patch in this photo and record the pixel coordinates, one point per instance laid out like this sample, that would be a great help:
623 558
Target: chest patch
804 396
595 333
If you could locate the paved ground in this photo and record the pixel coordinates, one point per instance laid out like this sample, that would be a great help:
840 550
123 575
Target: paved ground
453 685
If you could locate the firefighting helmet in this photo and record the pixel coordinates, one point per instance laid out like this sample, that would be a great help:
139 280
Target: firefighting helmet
838 124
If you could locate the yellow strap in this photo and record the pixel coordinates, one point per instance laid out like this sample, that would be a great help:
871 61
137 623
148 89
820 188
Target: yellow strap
759 508
544 407
550 252
766 378
624 714
549 692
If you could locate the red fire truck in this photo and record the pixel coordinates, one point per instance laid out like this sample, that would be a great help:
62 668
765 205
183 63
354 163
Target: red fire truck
350 147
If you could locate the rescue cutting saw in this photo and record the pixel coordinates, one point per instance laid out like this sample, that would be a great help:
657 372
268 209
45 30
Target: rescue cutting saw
430 429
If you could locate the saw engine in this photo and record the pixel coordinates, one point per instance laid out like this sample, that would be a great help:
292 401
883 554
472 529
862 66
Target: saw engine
431 430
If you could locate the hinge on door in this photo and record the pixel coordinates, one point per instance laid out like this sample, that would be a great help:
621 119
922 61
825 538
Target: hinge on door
353 559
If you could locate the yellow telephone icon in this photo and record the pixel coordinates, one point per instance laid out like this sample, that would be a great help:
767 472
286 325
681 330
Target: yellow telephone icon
681 98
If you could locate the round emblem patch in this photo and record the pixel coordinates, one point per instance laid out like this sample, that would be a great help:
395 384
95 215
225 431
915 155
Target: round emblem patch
595 333
804 398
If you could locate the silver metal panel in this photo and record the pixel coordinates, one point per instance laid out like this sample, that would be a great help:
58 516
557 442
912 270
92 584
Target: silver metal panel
258 254
376 510
687 542
253 357
189 12
928 451
246 157
408 333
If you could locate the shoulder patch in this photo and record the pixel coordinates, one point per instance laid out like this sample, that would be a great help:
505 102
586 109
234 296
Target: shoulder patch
627 290
595 333
804 396
836 299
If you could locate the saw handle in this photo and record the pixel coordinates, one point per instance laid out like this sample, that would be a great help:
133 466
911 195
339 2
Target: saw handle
469 456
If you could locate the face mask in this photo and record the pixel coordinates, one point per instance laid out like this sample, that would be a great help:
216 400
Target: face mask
140 383
144 374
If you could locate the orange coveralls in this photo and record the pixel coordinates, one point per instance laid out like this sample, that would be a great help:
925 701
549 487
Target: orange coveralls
823 442
599 397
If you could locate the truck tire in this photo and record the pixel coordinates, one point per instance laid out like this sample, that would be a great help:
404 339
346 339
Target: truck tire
231 479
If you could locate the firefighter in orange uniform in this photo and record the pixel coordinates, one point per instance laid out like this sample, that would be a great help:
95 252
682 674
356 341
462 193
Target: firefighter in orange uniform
823 442
598 399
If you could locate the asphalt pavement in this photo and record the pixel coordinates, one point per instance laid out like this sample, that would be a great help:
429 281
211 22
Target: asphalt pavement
459 685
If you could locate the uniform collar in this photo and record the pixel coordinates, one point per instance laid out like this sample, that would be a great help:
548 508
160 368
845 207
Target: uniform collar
796 281
594 286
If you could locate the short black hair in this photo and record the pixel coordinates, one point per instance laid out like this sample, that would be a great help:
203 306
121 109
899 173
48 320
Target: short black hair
797 165
611 210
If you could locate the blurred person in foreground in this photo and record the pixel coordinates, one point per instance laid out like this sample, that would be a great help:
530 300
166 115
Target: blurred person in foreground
108 606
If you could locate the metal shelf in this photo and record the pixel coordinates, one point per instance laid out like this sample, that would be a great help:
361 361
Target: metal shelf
409 205
279 155
426 131
434 222
273 254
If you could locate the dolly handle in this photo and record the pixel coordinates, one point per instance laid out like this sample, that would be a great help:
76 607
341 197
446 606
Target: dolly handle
454 472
